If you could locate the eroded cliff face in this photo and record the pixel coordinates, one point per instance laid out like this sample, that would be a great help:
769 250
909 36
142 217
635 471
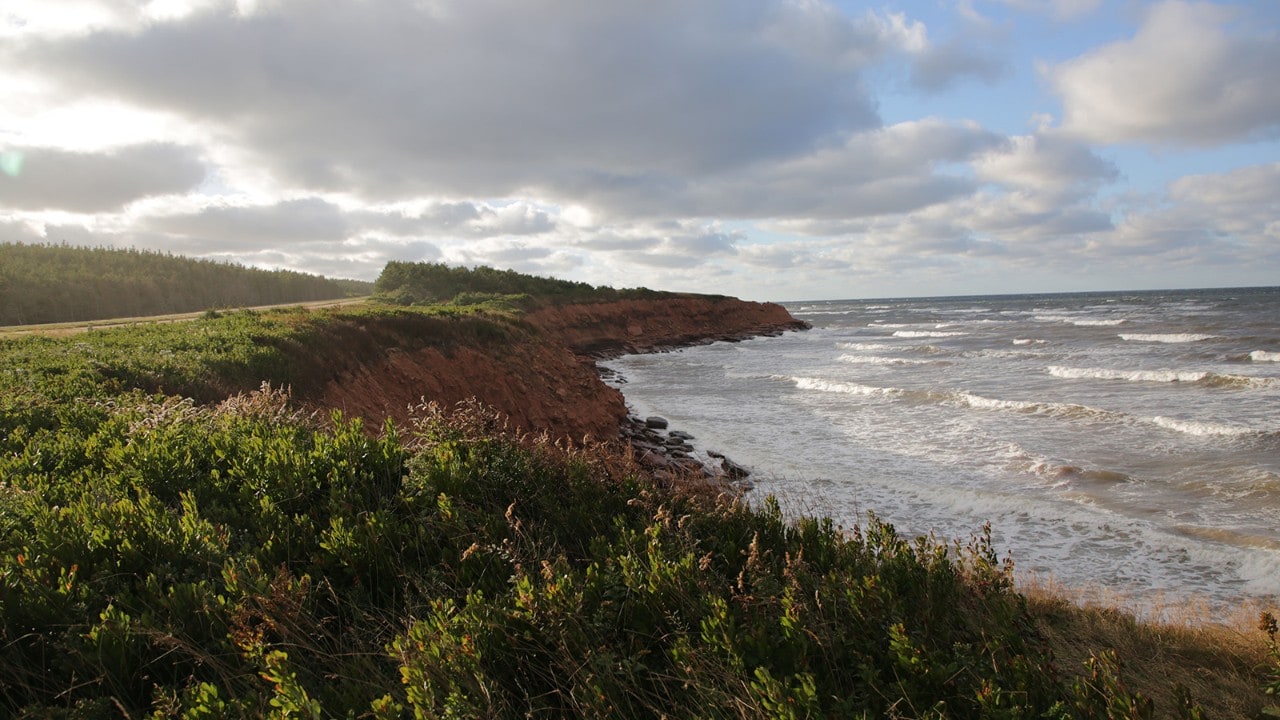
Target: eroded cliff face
541 375
635 326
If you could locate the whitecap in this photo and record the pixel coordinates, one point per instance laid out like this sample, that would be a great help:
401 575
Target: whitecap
1166 338
1098 323
1069 373
832 386
1204 429
866 347
1264 356
879 360
1199 377
926 334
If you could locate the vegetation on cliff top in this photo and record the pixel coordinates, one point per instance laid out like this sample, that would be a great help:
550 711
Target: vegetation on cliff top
59 283
404 283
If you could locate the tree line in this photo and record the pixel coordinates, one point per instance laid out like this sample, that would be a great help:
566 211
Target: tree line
406 283
46 283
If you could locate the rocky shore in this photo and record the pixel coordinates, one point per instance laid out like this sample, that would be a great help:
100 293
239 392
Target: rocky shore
670 455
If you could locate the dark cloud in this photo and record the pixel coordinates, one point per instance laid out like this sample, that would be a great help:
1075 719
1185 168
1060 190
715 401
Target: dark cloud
463 219
400 98
942 66
244 227
52 179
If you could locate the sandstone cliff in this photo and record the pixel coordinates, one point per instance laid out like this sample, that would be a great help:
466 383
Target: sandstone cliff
632 326
540 373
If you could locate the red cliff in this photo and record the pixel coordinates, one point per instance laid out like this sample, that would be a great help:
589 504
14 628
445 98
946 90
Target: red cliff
540 375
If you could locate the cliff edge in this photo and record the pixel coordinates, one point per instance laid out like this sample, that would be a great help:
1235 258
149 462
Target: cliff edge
538 371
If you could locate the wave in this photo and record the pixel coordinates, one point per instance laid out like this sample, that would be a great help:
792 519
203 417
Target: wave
1081 322
887 347
954 397
1208 429
1264 356
822 312
1072 472
1167 338
1029 341
1069 411
866 347
926 334
879 360
832 386
1199 377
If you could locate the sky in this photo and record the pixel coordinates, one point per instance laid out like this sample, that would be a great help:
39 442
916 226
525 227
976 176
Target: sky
767 149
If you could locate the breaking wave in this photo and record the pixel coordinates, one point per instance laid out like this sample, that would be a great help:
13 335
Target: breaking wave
1200 377
879 360
1166 338
1069 411
926 334
1264 356
1081 322
1208 429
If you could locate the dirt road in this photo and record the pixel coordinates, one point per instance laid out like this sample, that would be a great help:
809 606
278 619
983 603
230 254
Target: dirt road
70 328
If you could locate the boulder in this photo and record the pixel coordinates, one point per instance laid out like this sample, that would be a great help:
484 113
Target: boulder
655 422
733 470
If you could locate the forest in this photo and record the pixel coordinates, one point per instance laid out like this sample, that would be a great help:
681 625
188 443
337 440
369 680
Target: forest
60 283
405 283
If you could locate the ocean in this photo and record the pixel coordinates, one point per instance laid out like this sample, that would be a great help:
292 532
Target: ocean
1127 442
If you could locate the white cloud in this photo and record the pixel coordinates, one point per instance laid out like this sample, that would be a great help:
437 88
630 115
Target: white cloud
1055 168
1225 217
1195 74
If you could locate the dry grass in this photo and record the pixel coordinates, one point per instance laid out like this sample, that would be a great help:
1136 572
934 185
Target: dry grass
1215 655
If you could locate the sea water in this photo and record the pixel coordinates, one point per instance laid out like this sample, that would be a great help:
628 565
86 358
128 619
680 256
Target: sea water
1128 441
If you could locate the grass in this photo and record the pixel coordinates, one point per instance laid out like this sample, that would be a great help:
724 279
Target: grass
1220 661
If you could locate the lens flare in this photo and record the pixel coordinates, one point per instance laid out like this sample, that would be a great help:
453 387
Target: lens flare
11 163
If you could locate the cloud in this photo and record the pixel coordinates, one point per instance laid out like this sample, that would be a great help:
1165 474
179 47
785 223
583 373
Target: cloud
1055 168
50 179
254 226
893 169
404 98
1225 217
1194 74
942 66
12 231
